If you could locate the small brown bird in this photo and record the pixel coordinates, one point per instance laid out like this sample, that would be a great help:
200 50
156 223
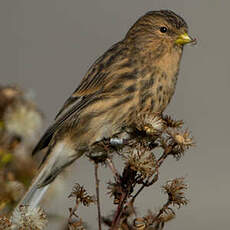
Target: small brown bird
135 76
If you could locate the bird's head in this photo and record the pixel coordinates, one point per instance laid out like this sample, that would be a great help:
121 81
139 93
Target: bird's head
159 30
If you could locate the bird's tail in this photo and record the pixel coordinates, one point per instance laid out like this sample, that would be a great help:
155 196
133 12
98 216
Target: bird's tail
59 157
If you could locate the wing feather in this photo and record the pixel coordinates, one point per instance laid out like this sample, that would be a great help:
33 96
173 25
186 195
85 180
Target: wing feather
91 85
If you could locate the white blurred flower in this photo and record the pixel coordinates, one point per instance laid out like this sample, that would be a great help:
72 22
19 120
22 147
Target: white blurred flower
26 217
23 120
16 189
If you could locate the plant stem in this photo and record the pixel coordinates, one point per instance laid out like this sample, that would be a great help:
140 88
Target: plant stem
155 178
113 169
98 195
120 207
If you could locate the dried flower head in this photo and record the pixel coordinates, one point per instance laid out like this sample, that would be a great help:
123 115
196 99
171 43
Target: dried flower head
115 191
180 140
175 189
27 217
142 161
5 223
152 124
171 123
81 195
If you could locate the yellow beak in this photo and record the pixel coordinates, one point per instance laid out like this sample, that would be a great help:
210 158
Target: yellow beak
183 39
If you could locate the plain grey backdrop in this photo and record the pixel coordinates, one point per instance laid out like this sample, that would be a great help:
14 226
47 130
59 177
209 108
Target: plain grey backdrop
48 45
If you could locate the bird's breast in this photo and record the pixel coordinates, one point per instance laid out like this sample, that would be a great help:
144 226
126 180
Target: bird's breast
155 90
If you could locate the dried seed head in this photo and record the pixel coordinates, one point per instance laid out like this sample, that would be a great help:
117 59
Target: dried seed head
26 217
155 125
81 195
180 140
171 123
151 124
184 139
175 189
142 161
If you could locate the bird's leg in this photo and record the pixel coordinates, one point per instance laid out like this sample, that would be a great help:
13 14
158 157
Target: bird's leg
116 141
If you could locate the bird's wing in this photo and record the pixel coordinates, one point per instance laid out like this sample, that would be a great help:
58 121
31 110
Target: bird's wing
92 82
91 85
73 106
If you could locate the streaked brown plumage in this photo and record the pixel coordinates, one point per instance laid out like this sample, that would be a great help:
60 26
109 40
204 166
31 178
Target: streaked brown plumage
136 75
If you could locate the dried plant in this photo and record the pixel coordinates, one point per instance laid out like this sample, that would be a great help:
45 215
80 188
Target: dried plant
81 196
172 123
142 167
25 217
180 140
175 190
144 147
141 161
151 125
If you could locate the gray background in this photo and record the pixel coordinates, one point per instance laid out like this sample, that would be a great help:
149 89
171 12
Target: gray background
48 45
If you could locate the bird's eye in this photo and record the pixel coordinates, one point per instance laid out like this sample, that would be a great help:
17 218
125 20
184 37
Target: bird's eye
163 29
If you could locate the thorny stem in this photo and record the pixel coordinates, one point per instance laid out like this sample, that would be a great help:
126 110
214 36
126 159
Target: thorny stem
98 195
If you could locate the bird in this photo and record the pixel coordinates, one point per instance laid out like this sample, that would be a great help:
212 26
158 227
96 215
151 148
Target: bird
135 76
